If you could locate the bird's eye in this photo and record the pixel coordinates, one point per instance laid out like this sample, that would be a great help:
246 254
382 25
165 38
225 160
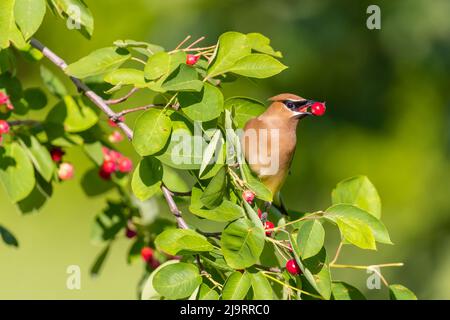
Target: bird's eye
290 104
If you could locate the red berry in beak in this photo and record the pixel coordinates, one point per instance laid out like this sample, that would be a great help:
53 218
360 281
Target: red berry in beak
4 127
248 196
292 267
318 109
192 59
268 226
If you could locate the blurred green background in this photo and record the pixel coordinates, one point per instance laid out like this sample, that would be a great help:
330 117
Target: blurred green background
388 99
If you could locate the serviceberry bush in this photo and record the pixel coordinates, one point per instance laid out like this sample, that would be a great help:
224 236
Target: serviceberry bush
219 240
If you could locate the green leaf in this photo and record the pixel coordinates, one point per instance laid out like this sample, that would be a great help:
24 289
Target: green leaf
180 241
144 48
184 78
29 15
360 192
215 192
16 172
74 113
399 292
157 66
98 62
177 180
40 157
151 132
8 237
225 212
6 21
244 109
184 151
356 232
177 281
242 243
52 83
123 77
257 65
207 293
94 151
344 291
316 269
310 239
232 47
202 106
35 98
109 222
214 148
237 286
147 178
343 210
262 290
261 191
260 43
148 290
81 16
100 261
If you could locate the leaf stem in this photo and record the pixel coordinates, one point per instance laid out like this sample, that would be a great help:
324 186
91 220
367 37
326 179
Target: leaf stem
124 98
291 287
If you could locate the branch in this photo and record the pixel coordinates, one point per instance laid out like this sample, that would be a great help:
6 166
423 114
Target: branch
143 108
95 98
14 123
102 105
122 99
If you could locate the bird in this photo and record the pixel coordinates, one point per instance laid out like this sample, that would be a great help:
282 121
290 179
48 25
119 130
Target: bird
269 141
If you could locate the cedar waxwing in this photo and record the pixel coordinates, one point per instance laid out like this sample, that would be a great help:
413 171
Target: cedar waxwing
270 140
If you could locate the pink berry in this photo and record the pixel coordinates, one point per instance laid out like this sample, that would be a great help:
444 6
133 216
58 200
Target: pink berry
57 154
292 267
318 109
115 137
147 254
248 196
192 59
65 171
4 127
3 98
125 165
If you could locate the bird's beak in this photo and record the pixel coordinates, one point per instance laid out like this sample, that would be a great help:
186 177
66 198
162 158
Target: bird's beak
302 112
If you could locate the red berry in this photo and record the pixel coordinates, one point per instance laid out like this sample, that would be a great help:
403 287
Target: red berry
259 213
129 233
4 127
147 254
292 267
318 109
268 226
57 154
248 196
104 175
109 166
192 59
65 171
3 98
125 165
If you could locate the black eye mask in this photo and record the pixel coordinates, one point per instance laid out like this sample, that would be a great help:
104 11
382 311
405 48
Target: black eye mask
294 105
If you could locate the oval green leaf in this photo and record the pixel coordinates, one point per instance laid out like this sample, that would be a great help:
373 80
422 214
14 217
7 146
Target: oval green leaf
177 281
180 241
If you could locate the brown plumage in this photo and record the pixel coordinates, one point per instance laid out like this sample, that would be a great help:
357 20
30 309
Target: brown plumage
282 116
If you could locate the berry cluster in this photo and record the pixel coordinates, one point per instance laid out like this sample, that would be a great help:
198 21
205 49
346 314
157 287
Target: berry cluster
65 170
4 129
4 100
114 161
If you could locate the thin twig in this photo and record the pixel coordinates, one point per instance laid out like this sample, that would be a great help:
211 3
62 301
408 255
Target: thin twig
102 105
195 42
142 108
338 252
95 98
183 42
291 287
124 98
174 208
14 123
